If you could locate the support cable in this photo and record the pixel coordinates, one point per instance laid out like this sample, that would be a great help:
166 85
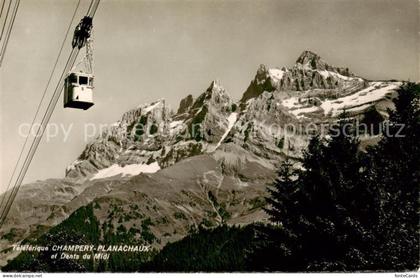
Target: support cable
44 122
9 31
2 7
40 102
5 20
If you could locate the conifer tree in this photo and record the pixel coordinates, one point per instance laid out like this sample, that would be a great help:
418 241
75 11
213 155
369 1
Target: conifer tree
280 192
320 216
395 175
348 210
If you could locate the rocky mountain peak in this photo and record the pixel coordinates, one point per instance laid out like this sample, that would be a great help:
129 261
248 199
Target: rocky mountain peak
262 73
311 60
185 104
310 72
215 95
215 86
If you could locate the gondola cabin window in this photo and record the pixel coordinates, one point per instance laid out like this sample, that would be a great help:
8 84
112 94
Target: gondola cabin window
83 80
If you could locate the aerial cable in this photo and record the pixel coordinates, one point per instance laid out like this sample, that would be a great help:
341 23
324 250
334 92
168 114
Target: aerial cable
93 7
37 139
44 122
2 7
40 132
41 101
5 20
90 7
9 31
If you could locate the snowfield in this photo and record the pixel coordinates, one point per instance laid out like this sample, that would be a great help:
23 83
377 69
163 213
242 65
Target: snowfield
298 109
354 102
276 73
128 170
326 74
375 92
175 124
149 107
291 103
299 112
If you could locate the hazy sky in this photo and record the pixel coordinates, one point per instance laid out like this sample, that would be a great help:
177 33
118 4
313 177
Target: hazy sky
145 50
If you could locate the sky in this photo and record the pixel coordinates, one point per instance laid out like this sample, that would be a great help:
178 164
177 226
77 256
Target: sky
147 50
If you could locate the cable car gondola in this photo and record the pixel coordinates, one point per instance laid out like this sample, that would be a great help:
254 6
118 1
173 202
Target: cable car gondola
78 90
78 85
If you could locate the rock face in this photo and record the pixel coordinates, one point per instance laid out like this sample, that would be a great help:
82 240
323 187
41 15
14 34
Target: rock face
148 134
185 105
309 73
309 59
208 163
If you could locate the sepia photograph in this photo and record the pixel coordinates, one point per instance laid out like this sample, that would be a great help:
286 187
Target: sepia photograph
155 137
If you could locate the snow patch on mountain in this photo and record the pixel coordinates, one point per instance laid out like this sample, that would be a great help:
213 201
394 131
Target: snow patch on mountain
175 124
299 112
276 73
359 101
374 92
326 74
292 102
73 164
127 170
151 107
231 122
